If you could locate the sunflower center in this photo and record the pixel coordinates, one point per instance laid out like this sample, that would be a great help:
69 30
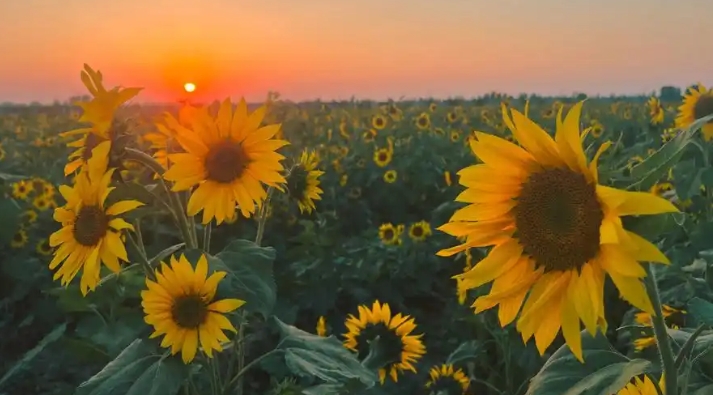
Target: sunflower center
446 385
382 157
558 217
189 311
417 231
703 107
389 342
90 142
388 234
422 121
226 161
91 226
297 182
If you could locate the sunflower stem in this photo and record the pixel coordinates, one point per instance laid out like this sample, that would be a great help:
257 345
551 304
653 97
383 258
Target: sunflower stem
206 237
262 219
143 260
661 334
238 377
181 217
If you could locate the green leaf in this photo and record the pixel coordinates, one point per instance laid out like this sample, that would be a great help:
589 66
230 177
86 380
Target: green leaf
250 275
707 390
652 227
310 355
656 166
9 218
30 355
163 377
156 260
701 310
123 370
604 372
466 350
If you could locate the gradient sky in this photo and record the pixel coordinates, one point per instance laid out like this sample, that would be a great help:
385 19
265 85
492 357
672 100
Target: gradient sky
334 49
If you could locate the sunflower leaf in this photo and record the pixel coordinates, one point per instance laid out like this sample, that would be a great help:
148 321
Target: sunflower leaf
250 276
701 310
30 355
604 372
163 377
120 372
466 350
9 217
310 355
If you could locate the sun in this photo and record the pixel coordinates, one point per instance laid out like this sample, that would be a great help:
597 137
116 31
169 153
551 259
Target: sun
189 87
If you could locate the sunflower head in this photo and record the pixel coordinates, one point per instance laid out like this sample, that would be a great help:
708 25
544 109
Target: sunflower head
555 231
382 156
697 103
384 339
423 121
228 157
641 386
419 231
390 176
91 231
390 234
180 306
303 182
447 379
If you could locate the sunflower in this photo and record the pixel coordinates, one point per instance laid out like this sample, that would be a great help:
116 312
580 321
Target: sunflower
99 112
447 379
383 156
369 136
21 189
42 203
303 182
674 318
697 103
321 327
423 121
432 107
555 232
354 193
2 153
163 140
390 234
29 216
43 247
419 231
226 159
656 112
451 117
91 233
390 176
179 305
391 333
19 239
641 387
378 122
455 136
660 188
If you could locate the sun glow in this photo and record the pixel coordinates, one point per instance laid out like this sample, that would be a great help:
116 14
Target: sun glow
189 87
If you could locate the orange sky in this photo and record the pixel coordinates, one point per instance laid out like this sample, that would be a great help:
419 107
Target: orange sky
338 48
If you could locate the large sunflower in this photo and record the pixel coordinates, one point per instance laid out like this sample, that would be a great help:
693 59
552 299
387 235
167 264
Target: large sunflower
179 305
91 232
400 347
226 159
303 183
697 103
555 231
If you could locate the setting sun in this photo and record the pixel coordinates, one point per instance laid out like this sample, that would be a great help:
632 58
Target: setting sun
189 87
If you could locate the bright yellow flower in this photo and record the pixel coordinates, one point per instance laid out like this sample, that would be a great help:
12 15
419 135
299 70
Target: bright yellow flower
697 103
555 231
303 182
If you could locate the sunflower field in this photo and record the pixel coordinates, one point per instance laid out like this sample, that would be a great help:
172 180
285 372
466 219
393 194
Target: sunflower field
498 246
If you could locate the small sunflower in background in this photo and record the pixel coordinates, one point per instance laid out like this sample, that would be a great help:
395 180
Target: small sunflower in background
556 232
29 216
398 348
179 305
455 136
419 231
390 234
22 189
90 233
43 247
639 386
383 156
656 112
378 122
19 239
451 117
303 182
697 103
369 136
390 176
226 161
447 379
423 121
674 318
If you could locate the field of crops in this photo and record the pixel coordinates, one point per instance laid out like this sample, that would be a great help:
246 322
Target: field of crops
499 245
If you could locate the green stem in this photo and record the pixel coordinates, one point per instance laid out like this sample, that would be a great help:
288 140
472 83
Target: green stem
661 334
139 236
241 327
143 260
179 211
206 237
247 367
